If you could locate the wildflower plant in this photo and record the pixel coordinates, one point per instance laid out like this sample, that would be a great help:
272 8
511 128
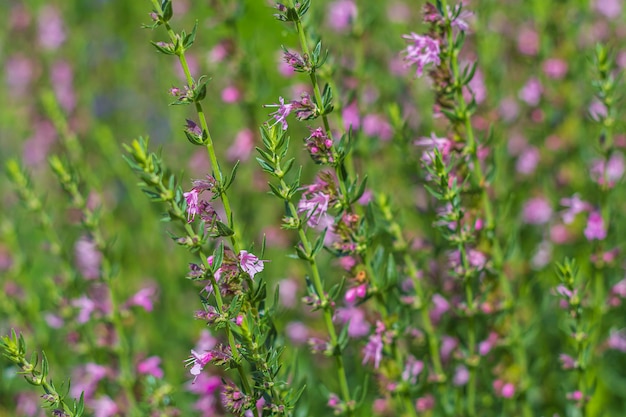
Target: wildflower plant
432 225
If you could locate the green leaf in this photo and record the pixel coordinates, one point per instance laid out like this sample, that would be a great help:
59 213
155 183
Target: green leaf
168 12
223 229
190 38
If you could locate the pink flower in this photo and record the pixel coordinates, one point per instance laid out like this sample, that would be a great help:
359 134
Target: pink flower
350 115
611 9
104 406
150 366
595 229
528 42
193 207
425 403
88 258
341 14
51 32
231 94
143 298
86 306
531 92
421 51
575 205
610 171
314 205
198 362
358 325
373 350
617 340
537 211
554 68
461 376
412 369
250 263
242 146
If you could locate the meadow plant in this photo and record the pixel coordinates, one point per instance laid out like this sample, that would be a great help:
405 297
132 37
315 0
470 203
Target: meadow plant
432 227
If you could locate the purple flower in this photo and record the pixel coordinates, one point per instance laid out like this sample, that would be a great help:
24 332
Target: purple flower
575 205
150 366
192 128
412 369
281 114
51 33
88 258
531 92
373 350
358 325
250 263
421 51
341 14
143 298
86 306
242 146
315 205
609 171
537 211
617 340
554 68
461 376
611 9
595 229
104 406
198 361
192 204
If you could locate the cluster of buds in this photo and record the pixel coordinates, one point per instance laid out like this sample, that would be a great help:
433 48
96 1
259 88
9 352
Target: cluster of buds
320 147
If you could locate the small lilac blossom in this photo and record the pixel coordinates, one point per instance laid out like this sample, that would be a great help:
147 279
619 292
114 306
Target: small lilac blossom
88 258
595 229
355 292
358 325
198 361
86 306
567 362
297 332
528 41
104 406
461 376
192 128
617 340
528 160
295 61
51 31
574 206
448 345
315 206
304 109
412 369
242 146
375 125
150 366
486 345
608 172
597 110
611 9
425 403
421 51
443 145
554 68
460 21
341 14
231 94
373 350
620 288
350 116
531 92
250 263
537 211
193 208
439 307
144 298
